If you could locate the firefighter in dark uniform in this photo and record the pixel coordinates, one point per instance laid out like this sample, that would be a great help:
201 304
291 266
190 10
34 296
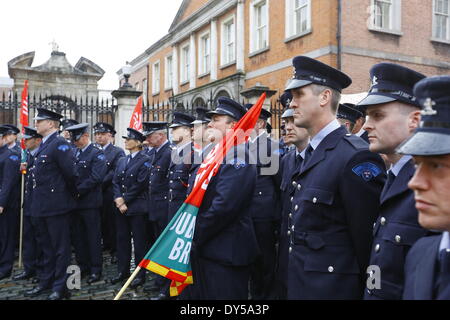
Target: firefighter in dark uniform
130 184
9 202
347 116
359 123
224 244
181 161
91 169
337 191
159 186
53 198
65 123
289 167
427 268
104 136
10 138
393 114
31 251
265 208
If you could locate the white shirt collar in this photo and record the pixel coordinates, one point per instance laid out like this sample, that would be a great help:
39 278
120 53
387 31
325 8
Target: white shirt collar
106 146
87 146
361 132
159 148
134 154
329 128
445 241
44 139
396 168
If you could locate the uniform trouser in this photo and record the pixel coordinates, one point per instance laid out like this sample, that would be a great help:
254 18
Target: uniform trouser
88 247
54 240
8 239
31 251
262 277
131 227
108 221
214 281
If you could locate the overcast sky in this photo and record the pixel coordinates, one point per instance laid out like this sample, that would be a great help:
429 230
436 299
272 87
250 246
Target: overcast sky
105 32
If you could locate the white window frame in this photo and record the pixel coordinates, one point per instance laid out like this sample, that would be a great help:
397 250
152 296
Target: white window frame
168 72
225 51
291 20
435 13
395 17
156 77
255 47
145 90
204 54
185 61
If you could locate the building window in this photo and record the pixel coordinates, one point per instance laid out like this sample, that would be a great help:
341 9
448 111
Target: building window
259 25
441 20
185 64
386 16
298 17
156 78
204 54
168 77
228 41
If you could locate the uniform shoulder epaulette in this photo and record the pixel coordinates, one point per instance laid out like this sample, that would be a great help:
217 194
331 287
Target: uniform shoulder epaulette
356 141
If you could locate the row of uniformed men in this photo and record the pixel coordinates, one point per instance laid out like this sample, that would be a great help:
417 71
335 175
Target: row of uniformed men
332 190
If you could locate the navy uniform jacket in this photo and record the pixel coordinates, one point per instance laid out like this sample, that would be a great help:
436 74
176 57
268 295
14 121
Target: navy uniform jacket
9 178
112 154
178 177
159 184
334 206
91 170
421 270
395 231
266 198
131 183
28 185
54 178
224 230
288 170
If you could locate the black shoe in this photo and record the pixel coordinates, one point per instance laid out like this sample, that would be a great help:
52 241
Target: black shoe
23 276
161 297
5 275
36 291
120 277
137 282
59 295
94 278
151 288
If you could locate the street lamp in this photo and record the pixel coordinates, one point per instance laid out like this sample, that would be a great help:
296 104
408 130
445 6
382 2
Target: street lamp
126 71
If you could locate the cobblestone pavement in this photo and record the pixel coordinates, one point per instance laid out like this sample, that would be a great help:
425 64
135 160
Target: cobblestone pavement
102 290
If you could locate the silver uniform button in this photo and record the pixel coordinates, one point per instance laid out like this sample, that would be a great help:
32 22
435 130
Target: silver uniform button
290 215
299 187
374 225
260 193
447 250
314 200
289 232
293 228
377 248
383 221
290 249
292 199
296 207
398 238
294 184
330 269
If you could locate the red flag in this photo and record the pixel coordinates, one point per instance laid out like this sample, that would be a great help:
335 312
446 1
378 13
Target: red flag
24 117
136 118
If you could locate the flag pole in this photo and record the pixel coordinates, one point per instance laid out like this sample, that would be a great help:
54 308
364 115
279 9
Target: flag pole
127 284
21 222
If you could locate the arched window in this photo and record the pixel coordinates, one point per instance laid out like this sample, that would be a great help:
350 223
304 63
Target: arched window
221 93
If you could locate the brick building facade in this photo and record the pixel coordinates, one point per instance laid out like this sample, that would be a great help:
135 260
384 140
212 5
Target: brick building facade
222 47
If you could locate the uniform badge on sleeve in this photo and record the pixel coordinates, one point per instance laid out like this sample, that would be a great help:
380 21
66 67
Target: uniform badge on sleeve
367 171
101 157
238 163
63 148
147 164
14 157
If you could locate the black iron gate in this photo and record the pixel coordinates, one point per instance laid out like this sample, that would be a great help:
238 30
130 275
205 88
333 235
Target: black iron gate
83 110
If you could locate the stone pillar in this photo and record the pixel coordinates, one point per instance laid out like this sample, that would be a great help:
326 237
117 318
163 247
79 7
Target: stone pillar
126 102
240 37
252 95
193 67
175 69
214 57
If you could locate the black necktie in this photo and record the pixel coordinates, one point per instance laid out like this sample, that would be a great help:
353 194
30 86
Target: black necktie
129 159
79 153
443 277
308 154
388 184
298 161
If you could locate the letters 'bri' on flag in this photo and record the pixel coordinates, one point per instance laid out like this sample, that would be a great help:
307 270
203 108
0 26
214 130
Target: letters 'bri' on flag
24 117
136 117
169 256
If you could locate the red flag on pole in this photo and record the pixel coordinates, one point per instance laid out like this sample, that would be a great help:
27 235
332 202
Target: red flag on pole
136 118
24 117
